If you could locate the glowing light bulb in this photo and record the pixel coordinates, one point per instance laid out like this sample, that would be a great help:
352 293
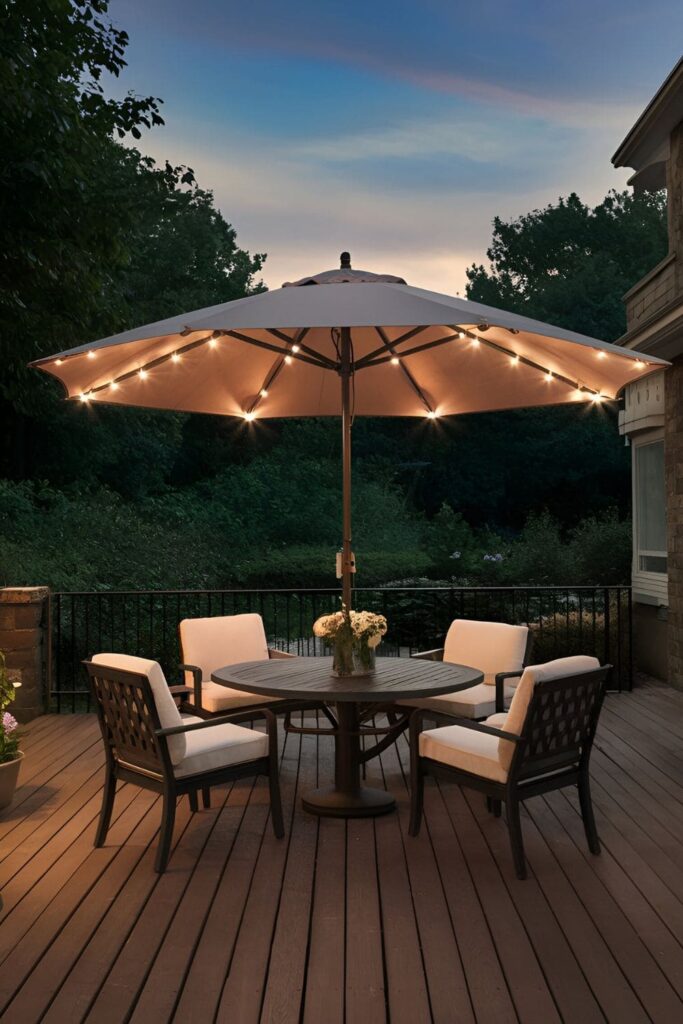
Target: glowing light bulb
602 355
249 416
548 377
640 364
579 395
395 361
91 354
263 393
85 396
58 362
213 343
142 374
475 342
431 415
288 360
460 335
296 348
114 386
175 358
514 360
597 398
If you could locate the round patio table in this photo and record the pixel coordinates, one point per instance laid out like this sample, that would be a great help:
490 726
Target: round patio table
355 699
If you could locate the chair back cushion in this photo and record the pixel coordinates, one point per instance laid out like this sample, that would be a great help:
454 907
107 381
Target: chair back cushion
222 640
489 646
532 675
168 713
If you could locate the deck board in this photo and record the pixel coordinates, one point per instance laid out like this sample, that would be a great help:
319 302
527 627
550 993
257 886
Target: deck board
352 922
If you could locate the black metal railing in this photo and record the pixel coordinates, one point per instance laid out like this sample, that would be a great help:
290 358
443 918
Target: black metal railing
564 620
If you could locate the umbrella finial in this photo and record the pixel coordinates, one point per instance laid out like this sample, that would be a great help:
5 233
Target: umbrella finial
345 260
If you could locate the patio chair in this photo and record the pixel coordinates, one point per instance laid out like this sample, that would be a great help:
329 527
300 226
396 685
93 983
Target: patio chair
500 650
543 743
148 743
208 644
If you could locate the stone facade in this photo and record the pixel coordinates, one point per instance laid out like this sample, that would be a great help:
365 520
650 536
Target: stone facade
22 640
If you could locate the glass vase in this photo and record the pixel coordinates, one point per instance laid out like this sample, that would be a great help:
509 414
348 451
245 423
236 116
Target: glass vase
353 659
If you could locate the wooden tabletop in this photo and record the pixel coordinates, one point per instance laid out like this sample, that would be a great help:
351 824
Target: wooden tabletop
312 679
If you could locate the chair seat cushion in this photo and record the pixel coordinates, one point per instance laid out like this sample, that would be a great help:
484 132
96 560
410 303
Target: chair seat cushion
219 746
466 749
475 702
497 721
221 698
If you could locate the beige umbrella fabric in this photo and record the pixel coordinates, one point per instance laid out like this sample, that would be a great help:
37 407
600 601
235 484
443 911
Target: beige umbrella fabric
399 351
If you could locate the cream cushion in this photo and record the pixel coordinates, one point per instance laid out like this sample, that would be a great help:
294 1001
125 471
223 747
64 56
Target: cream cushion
532 675
168 713
474 702
491 756
466 749
223 640
491 647
218 747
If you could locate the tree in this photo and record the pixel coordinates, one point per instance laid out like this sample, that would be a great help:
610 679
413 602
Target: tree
569 264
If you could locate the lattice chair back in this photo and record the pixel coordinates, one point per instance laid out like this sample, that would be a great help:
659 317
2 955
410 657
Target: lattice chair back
561 720
132 701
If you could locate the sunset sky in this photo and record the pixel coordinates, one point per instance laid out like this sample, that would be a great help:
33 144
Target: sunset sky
396 130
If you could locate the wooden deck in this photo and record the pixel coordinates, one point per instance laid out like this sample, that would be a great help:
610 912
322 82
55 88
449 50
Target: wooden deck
346 922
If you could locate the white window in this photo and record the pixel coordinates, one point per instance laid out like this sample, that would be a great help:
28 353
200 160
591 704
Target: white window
649 508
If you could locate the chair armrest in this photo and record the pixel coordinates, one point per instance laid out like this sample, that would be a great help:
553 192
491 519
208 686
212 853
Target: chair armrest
273 653
435 655
208 723
500 687
181 691
466 723
196 682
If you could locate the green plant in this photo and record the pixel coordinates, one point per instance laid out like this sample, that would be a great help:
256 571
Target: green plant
9 738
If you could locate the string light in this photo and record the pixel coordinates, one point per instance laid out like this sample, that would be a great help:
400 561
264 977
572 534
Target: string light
395 361
58 362
249 416
85 396
263 393
114 386
213 343
431 415
597 398
460 335
475 342
175 358
514 360
296 348
640 364
602 355
142 374
288 360
548 377
91 354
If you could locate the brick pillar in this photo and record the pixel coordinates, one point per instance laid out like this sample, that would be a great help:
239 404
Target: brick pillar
22 640
673 463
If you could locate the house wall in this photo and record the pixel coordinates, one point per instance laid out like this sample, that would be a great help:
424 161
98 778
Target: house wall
673 469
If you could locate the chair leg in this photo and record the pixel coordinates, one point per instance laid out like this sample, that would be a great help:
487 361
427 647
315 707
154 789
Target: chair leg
586 803
276 804
107 807
516 841
417 783
166 834
192 797
206 796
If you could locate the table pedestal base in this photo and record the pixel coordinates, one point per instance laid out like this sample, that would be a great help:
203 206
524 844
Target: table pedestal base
330 802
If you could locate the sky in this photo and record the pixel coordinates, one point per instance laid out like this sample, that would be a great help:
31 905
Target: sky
395 130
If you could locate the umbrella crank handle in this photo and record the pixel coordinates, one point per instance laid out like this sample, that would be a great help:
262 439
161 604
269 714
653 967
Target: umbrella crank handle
340 563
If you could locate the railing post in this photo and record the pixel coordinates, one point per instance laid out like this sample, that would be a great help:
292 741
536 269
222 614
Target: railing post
22 640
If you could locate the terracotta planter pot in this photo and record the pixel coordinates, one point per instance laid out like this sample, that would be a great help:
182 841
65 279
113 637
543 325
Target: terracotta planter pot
9 773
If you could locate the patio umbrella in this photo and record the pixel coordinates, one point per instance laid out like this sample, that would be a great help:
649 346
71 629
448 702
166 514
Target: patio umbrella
346 342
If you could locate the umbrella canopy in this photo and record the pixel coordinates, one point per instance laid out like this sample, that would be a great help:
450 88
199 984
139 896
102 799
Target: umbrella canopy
398 350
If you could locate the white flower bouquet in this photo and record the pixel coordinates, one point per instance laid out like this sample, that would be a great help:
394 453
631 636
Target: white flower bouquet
353 637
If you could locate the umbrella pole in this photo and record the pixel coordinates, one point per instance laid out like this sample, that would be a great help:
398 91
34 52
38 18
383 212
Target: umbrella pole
345 373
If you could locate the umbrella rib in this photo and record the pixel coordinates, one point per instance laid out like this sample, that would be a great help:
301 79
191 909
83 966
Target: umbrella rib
413 383
276 369
366 360
275 348
418 348
329 363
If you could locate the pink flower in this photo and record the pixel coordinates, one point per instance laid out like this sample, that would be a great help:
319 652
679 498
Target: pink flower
9 722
